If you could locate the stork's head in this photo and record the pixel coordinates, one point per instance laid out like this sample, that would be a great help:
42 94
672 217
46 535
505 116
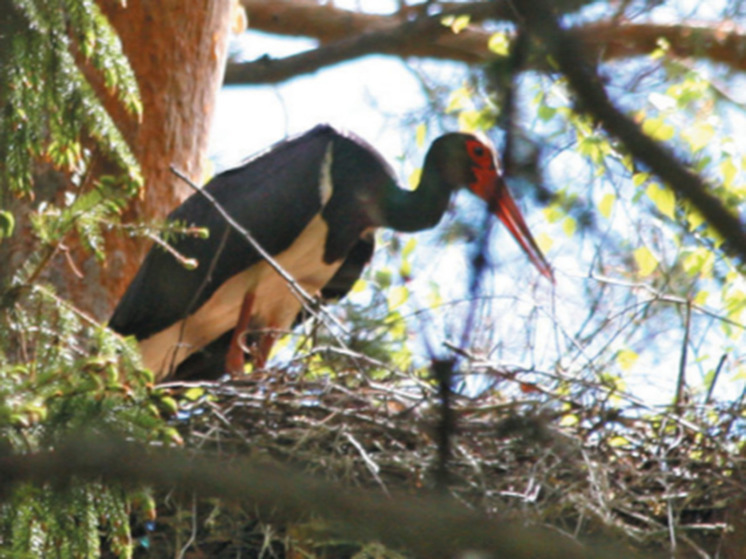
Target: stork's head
469 160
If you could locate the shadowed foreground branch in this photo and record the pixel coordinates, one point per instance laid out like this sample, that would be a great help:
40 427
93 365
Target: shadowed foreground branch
429 527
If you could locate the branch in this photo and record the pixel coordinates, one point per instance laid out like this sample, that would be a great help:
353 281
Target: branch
312 305
428 527
346 35
572 57
421 37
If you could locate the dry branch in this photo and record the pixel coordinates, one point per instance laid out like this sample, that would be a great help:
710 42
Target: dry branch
345 35
429 527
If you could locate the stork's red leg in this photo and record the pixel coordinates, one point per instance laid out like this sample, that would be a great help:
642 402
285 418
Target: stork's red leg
234 359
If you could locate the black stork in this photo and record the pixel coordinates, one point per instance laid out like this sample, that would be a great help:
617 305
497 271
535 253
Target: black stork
312 202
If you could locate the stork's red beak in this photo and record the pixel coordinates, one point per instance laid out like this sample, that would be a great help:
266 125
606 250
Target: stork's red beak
493 190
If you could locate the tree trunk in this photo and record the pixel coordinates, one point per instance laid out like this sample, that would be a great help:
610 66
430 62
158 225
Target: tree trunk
178 52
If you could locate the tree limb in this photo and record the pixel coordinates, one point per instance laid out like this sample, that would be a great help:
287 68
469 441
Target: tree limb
572 59
429 526
345 35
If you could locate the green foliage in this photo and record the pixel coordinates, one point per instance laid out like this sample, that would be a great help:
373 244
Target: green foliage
48 107
62 373
650 236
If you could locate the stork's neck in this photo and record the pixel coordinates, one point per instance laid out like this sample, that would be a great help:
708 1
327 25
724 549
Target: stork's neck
415 210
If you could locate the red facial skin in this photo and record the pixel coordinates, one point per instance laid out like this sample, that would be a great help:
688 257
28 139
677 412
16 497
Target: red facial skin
490 187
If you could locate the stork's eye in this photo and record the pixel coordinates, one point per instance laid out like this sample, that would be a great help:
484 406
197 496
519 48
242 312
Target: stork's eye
478 151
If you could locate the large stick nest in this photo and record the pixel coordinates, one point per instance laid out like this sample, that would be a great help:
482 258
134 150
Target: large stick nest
576 456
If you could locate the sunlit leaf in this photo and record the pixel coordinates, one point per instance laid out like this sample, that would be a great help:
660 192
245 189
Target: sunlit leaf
607 204
545 242
359 286
715 235
695 218
409 247
397 296
699 262
698 136
626 358
658 129
646 261
701 297
553 213
456 23
640 178
663 198
414 178
474 121
569 226
420 134
729 170
459 99
545 112
499 44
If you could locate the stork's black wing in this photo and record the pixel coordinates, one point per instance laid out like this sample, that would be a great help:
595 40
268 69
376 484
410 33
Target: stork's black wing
274 195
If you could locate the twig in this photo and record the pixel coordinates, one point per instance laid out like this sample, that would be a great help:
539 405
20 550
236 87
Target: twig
711 388
681 380
443 372
310 304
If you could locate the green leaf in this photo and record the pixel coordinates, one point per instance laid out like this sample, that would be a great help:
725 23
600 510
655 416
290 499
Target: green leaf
7 224
383 278
545 112
194 393
694 218
456 23
646 261
569 226
420 133
545 242
474 121
359 286
658 129
397 296
626 359
701 297
698 136
409 247
640 178
618 441
414 178
729 170
460 23
499 44
607 204
459 99
594 147
569 420
663 198
699 262
553 213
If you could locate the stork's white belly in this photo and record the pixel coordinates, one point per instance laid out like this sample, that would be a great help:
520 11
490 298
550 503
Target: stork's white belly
274 303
